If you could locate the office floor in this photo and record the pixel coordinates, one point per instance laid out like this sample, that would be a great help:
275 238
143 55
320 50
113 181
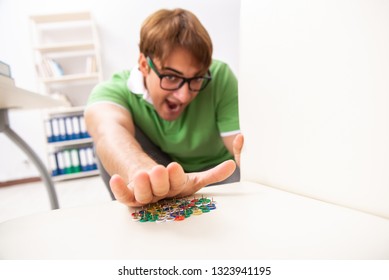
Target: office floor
26 199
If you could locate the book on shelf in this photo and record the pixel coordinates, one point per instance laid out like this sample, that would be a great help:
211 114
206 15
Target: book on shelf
56 67
49 68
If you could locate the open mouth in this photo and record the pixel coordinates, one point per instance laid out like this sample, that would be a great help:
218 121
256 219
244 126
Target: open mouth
173 107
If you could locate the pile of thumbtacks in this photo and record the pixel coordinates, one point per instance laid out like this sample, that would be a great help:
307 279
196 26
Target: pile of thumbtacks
175 209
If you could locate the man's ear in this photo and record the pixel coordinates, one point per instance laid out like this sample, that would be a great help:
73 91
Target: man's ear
143 65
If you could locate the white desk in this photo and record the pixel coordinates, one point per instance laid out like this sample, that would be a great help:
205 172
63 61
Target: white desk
252 221
14 97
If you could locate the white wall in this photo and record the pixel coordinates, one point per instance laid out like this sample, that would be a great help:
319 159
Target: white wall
317 94
118 23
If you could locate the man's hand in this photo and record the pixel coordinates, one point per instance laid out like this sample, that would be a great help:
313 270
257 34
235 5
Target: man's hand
171 181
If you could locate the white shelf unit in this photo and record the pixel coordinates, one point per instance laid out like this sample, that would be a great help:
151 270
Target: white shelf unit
66 54
69 147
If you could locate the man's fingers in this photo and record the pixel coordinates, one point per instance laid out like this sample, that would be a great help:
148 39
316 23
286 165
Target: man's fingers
177 178
120 190
142 188
170 181
159 179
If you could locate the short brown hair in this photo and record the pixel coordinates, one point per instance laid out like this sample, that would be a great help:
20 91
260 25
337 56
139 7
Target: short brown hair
165 29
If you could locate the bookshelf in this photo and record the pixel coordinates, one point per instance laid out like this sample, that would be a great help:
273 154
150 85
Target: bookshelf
68 64
66 55
69 146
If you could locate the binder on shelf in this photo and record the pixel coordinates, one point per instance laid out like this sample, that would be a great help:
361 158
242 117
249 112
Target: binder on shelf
84 132
76 127
75 161
90 159
83 159
55 127
68 163
49 131
61 163
69 129
53 164
94 159
62 129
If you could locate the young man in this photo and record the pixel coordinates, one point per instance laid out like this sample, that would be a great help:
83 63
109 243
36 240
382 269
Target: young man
169 126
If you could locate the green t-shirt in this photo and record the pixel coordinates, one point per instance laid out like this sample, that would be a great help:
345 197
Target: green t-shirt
194 139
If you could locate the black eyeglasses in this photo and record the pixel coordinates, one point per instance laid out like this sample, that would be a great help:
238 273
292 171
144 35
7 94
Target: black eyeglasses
173 82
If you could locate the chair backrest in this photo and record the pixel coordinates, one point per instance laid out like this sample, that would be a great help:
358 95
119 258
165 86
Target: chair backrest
314 99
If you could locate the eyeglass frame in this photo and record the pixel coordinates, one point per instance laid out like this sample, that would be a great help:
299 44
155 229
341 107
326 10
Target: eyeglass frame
206 81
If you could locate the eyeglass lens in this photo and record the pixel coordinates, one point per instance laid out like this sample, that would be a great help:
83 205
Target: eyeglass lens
173 82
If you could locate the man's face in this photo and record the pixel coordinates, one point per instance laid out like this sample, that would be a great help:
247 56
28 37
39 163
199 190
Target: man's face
170 104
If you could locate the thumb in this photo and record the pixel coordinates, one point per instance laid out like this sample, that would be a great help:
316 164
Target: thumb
213 175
